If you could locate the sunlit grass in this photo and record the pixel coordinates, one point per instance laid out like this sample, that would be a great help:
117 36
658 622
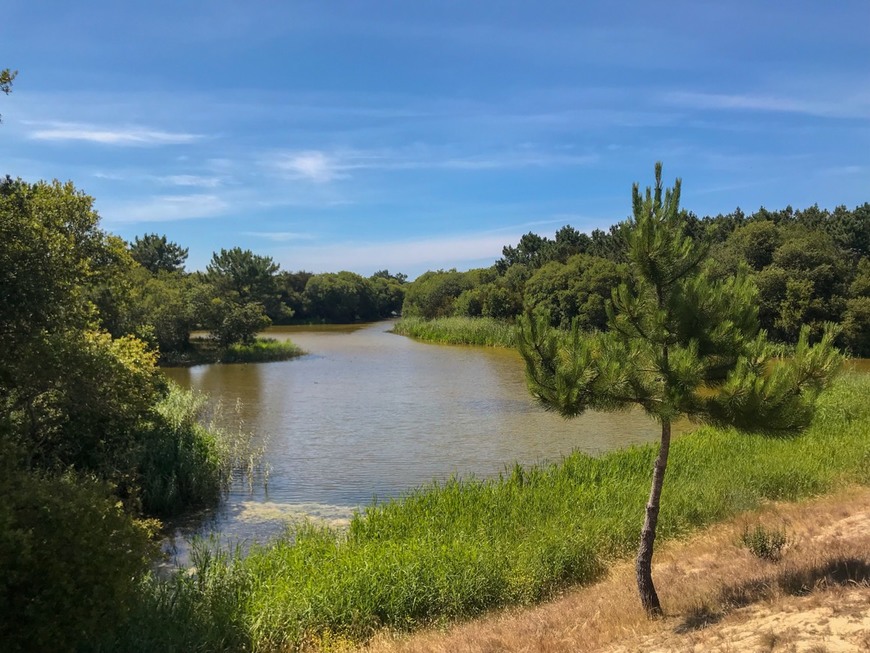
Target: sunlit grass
456 549
483 331
262 350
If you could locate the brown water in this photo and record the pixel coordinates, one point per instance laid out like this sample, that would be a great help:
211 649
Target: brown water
371 414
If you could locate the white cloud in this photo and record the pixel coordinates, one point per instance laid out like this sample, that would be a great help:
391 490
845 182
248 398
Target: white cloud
191 180
312 165
165 208
122 136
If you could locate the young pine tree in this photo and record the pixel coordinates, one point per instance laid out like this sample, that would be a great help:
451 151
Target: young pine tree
677 343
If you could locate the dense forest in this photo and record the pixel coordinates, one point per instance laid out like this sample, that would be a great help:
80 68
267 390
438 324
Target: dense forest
810 266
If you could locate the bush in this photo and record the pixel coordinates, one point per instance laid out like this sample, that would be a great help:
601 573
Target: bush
764 543
69 561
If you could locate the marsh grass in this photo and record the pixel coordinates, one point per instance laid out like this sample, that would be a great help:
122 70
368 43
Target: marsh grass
453 550
190 458
203 351
262 350
483 331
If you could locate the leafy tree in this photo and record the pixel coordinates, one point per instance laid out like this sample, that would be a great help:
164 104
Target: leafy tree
433 293
156 254
532 251
754 244
6 78
389 293
231 322
806 284
342 297
291 289
244 277
575 290
385 274
165 308
678 344
851 229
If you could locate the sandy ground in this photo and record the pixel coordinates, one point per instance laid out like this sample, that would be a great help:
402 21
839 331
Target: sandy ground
717 596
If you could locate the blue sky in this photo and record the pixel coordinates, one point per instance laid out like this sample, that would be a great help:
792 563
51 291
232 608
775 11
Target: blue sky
419 135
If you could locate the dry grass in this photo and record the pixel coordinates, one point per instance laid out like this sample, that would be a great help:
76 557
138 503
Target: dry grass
716 594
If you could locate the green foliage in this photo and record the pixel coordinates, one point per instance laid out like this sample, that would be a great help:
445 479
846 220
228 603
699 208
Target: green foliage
483 331
181 466
242 277
230 322
856 326
342 297
157 254
678 343
763 542
576 290
456 549
433 294
7 76
48 236
673 331
69 561
262 350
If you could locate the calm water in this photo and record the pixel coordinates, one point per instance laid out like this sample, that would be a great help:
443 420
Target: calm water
371 414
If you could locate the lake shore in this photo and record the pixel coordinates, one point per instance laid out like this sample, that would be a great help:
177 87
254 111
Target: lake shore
452 551
717 595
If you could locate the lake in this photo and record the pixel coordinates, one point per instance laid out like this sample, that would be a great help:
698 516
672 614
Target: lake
369 414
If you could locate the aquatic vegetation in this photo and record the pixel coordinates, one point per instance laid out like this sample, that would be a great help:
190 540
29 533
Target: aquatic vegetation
483 331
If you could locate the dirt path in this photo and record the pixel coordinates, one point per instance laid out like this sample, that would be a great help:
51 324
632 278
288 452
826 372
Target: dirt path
716 594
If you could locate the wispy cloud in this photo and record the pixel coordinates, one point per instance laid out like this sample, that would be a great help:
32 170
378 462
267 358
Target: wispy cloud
320 166
280 236
191 180
126 136
165 208
311 165
855 106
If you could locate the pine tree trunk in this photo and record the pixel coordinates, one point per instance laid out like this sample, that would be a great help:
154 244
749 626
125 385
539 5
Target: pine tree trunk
648 597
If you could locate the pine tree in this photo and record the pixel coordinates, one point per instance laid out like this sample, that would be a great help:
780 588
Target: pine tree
678 343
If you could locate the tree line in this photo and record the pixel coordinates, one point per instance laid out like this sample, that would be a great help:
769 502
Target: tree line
145 291
810 267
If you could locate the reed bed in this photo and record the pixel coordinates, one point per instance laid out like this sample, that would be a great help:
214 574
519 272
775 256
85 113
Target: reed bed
456 549
482 331
262 350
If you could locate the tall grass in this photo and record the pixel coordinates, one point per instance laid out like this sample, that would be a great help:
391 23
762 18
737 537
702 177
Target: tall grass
262 350
483 331
203 351
188 459
455 549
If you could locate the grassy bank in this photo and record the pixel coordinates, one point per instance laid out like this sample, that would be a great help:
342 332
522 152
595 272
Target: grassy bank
483 331
456 549
205 351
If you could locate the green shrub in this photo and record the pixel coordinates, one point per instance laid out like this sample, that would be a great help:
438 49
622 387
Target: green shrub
765 543
69 561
